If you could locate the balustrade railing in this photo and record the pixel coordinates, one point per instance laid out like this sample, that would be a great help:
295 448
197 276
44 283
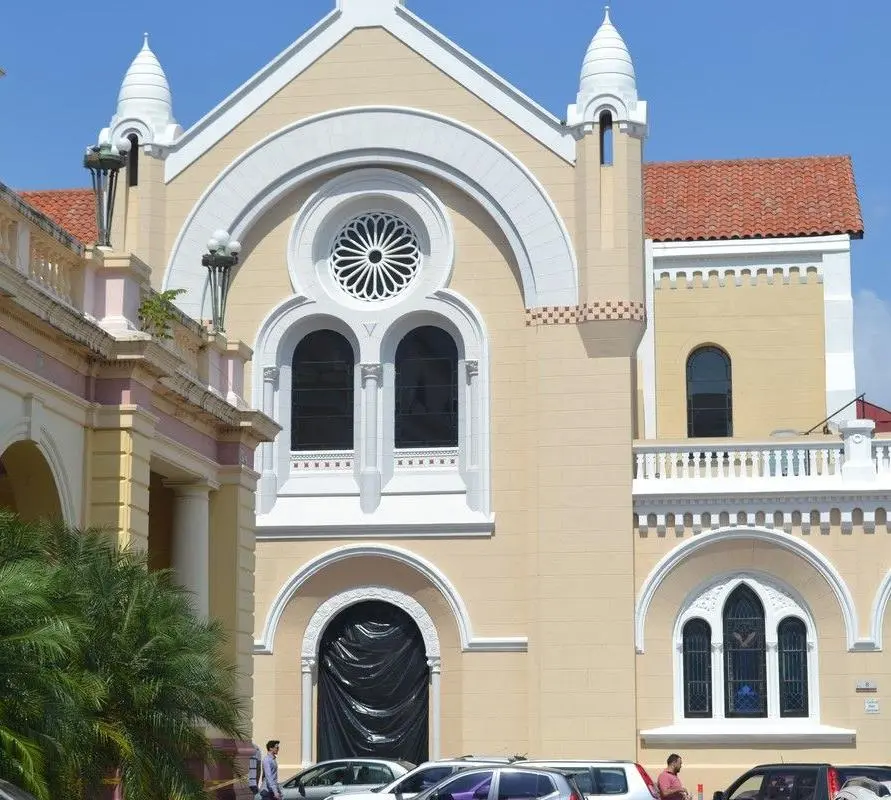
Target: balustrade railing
738 461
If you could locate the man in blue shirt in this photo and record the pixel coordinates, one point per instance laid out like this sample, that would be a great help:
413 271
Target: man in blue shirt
272 789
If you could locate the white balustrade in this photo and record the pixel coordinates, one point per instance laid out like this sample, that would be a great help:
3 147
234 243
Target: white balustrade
738 461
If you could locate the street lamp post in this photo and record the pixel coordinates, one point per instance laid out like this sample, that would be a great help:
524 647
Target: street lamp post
221 257
104 160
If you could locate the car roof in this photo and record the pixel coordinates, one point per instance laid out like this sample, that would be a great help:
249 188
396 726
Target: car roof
577 761
359 760
820 764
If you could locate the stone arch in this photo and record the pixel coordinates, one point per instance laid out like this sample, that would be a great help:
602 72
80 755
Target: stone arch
50 469
334 605
797 546
376 136
469 641
879 609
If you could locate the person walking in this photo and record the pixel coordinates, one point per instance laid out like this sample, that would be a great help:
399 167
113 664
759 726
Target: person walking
669 784
272 789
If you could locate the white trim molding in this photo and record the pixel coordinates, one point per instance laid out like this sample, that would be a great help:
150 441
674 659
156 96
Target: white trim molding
706 602
880 608
407 28
748 733
469 641
312 637
380 135
795 545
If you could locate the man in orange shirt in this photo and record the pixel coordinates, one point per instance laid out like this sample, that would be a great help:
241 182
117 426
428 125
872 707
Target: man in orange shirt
670 786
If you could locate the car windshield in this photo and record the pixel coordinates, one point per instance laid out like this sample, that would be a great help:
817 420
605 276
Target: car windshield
469 783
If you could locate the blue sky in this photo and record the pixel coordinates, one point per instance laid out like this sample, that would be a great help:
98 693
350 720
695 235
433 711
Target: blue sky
724 79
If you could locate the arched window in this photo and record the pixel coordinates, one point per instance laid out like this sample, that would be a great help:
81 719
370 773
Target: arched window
745 655
709 396
792 654
426 390
322 393
606 139
697 643
133 161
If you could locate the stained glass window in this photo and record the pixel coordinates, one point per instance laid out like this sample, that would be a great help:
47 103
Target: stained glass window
697 644
792 653
745 662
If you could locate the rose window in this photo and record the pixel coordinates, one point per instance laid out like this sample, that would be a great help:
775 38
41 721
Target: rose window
375 256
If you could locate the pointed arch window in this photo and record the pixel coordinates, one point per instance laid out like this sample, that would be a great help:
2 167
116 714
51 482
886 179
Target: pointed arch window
426 390
709 394
133 161
697 648
745 655
322 393
606 139
792 653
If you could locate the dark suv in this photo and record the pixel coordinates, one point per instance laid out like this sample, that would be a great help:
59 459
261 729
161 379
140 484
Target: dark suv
797 781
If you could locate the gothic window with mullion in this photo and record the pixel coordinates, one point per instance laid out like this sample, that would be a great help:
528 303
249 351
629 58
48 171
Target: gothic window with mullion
745 655
426 390
792 650
322 393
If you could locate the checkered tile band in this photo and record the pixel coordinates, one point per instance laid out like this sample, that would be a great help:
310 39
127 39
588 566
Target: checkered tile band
598 311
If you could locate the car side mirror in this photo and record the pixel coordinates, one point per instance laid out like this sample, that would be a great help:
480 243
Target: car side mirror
302 789
718 796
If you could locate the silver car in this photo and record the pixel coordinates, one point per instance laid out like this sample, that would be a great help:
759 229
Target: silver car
627 780
342 776
515 782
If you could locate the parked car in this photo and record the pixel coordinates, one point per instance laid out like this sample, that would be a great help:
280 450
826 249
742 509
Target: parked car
798 781
596 778
342 776
513 782
9 791
863 789
426 775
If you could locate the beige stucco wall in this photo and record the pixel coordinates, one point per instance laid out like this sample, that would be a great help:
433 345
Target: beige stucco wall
774 335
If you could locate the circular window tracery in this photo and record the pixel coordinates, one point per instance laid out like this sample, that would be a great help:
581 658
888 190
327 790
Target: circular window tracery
375 256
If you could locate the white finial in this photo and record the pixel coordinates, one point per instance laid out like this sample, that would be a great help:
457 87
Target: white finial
145 44
605 15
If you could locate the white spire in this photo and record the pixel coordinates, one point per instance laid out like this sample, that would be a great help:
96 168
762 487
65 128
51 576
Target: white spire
145 98
607 78
607 65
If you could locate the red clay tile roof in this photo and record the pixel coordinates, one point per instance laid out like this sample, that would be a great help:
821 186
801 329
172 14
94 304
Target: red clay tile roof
73 209
685 201
751 198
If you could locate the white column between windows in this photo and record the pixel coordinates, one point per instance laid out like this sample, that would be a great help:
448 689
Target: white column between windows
435 665
268 482
474 430
370 473
307 668
191 541
771 654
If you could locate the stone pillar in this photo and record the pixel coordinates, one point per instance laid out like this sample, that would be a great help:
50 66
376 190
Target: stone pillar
370 473
308 667
191 541
120 450
435 665
268 479
859 464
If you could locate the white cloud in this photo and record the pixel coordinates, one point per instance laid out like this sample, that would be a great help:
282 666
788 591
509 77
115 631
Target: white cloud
872 346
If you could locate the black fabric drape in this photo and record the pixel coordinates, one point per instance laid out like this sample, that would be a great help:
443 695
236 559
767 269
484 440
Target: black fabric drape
373 675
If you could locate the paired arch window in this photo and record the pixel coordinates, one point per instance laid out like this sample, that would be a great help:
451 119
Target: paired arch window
755 680
322 393
426 391
709 394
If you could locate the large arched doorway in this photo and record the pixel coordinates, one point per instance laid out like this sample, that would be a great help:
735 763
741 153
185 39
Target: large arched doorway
27 486
373 678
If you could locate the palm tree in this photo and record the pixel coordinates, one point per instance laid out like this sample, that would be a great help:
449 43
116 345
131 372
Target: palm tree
44 693
161 666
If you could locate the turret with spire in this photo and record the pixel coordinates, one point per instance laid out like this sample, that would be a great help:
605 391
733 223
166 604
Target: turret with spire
145 104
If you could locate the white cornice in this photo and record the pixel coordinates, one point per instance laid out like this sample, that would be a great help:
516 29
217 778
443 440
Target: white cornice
744 247
741 733
409 29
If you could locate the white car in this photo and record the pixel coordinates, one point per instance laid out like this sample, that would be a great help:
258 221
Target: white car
863 789
424 776
621 779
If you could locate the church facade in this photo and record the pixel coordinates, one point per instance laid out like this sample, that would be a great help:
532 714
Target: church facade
567 455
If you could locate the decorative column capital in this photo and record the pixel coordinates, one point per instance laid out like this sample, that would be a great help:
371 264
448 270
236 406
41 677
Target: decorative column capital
270 374
435 665
771 646
472 367
307 665
371 372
